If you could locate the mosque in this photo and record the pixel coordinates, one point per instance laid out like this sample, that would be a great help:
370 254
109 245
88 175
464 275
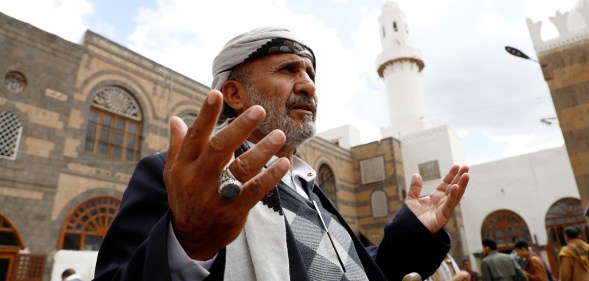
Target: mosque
75 118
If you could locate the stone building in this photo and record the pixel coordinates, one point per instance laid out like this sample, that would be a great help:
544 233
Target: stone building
565 61
74 120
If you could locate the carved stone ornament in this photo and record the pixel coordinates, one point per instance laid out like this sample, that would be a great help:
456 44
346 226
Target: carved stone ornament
15 82
117 100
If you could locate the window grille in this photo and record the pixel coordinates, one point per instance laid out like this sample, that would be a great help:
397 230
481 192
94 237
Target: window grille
372 170
85 227
10 133
379 204
114 125
429 170
505 228
29 267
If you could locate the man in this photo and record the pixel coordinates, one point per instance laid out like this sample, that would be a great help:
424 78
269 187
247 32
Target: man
574 257
467 266
534 268
232 202
498 266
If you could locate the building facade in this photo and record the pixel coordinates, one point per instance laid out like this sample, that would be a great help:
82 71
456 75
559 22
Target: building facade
74 120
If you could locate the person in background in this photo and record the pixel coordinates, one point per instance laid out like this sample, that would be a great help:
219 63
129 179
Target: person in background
574 257
497 266
534 268
467 266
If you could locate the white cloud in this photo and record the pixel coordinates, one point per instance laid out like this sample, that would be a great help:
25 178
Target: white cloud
65 18
494 100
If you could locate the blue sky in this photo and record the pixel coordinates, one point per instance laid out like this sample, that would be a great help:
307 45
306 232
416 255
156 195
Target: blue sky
494 101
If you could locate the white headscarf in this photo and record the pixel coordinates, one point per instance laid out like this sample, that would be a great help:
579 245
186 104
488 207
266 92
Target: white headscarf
253 44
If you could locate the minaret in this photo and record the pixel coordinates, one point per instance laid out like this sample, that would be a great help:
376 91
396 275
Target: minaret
400 66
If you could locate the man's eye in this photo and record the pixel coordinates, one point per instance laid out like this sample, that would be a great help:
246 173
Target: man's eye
290 69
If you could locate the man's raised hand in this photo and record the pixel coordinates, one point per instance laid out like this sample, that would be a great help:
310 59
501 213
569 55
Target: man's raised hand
203 222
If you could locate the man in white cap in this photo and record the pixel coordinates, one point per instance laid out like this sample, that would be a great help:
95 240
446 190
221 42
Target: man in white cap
230 201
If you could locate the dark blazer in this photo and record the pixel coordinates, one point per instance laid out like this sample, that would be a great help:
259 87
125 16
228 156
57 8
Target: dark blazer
135 246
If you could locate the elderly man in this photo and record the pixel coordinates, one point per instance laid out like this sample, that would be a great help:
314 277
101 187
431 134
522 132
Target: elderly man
230 201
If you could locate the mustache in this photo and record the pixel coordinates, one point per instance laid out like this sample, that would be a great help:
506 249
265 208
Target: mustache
302 98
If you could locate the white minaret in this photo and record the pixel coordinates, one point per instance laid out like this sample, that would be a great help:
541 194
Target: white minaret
400 66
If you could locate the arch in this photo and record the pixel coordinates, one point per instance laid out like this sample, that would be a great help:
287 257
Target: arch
86 226
564 212
326 180
9 236
115 124
379 204
505 227
101 79
10 134
10 244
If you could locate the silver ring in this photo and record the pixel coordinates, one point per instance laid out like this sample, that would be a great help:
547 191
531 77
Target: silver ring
229 186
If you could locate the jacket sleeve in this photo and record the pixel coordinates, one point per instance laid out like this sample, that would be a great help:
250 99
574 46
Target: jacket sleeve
535 269
519 271
408 246
132 248
486 272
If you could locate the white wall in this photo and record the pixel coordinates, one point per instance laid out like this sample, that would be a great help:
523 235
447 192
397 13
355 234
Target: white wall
527 185
83 262
438 143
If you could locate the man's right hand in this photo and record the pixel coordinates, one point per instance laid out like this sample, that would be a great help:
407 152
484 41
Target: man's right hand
203 222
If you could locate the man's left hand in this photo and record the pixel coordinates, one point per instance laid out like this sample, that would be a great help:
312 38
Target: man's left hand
434 210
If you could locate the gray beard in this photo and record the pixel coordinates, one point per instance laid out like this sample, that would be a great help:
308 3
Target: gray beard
277 118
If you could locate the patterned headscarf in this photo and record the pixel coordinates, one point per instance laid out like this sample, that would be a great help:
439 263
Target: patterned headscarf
255 44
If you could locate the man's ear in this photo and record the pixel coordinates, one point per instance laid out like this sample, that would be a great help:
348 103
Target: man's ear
233 95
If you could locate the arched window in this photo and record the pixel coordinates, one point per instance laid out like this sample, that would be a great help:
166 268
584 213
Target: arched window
378 200
86 225
326 180
563 213
9 236
10 132
505 228
10 244
114 125
395 28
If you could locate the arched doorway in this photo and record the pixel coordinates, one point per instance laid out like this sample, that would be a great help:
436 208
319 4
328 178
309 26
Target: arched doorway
563 213
86 225
10 244
505 228
326 180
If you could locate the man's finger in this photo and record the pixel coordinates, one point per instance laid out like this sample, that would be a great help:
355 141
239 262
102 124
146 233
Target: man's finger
415 187
177 132
224 143
199 133
462 184
252 161
260 185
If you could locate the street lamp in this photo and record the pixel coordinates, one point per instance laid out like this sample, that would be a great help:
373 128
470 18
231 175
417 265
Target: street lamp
549 120
515 52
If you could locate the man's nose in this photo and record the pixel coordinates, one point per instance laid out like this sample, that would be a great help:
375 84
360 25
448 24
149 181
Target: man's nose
305 85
